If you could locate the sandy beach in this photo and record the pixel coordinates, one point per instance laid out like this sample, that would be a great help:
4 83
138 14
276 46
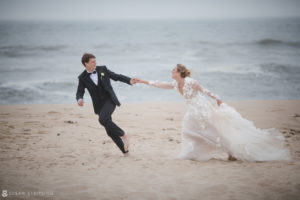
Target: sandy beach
62 152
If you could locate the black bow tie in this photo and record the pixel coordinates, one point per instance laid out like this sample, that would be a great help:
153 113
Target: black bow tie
94 72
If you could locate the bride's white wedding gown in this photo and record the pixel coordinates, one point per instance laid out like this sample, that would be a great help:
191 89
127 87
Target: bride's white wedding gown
213 131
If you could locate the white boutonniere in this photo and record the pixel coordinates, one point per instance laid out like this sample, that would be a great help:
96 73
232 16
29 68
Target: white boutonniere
102 74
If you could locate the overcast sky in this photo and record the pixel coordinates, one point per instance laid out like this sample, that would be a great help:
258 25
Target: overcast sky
144 9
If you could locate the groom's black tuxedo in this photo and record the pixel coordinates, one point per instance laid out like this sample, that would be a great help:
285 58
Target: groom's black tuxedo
101 91
104 99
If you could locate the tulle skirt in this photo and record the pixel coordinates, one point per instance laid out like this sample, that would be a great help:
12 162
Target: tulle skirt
212 131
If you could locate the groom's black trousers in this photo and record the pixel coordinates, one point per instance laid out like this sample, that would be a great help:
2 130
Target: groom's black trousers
111 128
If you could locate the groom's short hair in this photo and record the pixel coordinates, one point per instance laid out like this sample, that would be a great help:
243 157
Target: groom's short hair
86 58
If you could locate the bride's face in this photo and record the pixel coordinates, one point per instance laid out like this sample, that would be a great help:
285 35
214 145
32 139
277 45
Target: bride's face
175 73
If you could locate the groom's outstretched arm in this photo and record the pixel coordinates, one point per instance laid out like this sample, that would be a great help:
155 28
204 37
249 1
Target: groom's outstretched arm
119 77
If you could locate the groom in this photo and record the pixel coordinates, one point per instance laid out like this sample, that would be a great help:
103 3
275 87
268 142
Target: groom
97 81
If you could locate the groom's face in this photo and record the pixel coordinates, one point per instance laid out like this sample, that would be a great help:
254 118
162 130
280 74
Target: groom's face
91 65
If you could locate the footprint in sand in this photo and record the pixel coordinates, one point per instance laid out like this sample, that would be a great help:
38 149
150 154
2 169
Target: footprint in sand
11 126
41 132
296 115
106 141
70 122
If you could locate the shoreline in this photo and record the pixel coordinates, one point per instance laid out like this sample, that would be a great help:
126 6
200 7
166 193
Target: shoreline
146 102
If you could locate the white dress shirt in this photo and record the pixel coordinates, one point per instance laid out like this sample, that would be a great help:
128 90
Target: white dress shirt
94 77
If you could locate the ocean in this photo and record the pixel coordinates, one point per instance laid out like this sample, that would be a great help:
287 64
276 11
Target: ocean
237 59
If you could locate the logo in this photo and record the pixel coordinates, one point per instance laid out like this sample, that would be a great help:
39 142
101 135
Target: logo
4 193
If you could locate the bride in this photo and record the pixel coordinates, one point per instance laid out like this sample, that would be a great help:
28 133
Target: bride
212 129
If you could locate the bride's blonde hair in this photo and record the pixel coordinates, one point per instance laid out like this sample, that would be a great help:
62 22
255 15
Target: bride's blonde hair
184 72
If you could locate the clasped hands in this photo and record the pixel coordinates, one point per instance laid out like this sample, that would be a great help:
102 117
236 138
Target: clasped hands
135 80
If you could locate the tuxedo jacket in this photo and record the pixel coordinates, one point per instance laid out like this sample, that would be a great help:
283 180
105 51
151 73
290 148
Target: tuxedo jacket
99 94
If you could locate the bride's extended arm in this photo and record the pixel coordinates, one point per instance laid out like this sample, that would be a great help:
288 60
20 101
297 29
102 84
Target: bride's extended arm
158 84
198 87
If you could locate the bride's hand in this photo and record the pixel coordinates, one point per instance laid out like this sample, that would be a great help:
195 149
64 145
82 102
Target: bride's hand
141 81
219 102
137 80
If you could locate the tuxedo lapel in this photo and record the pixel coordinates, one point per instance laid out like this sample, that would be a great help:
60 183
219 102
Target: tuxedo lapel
89 80
100 79
98 74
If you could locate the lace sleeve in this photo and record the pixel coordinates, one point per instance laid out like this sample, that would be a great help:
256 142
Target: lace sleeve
163 84
197 86
209 93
